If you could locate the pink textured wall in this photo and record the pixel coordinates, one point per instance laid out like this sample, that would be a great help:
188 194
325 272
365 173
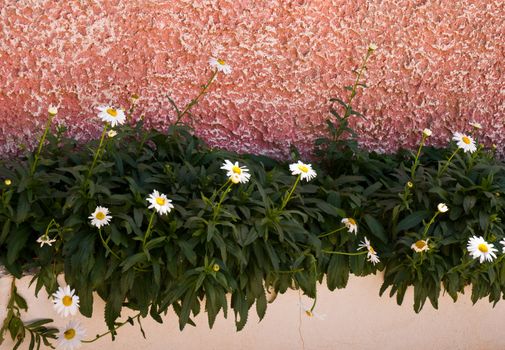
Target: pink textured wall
439 65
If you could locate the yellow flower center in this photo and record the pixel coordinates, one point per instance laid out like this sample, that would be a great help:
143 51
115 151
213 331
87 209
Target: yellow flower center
100 215
112 112
483 247
466 140
303 168
371 250
69 334
236 170
309 313
351 221
420 244
67 300
221 62
160 201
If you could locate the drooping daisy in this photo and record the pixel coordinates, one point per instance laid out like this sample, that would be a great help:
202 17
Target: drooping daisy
351 225
465 142
44 239
476 125
100 217
70 337
305 170
427 132
236 172
502 242
65 301
442 207
480 249
111 115
160 202
372 255
420 246
311 313
220 65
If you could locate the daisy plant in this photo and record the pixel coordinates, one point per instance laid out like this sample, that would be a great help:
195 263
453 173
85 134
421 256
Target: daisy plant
161 205
52 111
110 116
441 208
464 142
425 134
217 65
100 217
236 175
302 171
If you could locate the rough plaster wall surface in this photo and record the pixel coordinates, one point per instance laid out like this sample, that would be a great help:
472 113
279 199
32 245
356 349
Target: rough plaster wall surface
439 65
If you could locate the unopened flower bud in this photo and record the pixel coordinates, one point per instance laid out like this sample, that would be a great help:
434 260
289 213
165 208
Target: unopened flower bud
427 132
52 110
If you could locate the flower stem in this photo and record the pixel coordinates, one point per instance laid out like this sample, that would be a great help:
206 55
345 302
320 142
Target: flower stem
97 152
106 246
195 100
427 227
148 231
290 193
98 336
416 161
217 209
447 163
356 82
41 143
344 253
331 232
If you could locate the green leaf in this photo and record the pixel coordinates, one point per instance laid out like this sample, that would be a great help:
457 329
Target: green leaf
375 227
338 272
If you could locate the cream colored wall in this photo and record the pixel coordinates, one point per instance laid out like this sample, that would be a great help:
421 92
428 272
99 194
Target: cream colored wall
356 318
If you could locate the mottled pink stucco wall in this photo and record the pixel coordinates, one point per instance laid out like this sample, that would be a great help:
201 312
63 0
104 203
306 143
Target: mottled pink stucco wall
439 65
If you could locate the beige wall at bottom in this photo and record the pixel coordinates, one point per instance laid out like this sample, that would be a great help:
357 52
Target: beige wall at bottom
352 318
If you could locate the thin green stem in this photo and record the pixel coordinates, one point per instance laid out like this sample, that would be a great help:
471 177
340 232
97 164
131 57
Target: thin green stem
290 193
106 246
447 163
356 82
344 253
217 208
291 271
137 316
41 143
416 161
148 231
98 151
331 232
427 227
195 100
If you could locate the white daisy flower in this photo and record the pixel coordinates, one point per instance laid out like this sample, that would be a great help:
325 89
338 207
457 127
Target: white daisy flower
160 202
236 172
442 207
65 301
305 170
502 242
427 132
351 225
476 125
220 65
480 249
420 246
52 110
111 115
44 239
465 142
70 337
100 217
372 255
